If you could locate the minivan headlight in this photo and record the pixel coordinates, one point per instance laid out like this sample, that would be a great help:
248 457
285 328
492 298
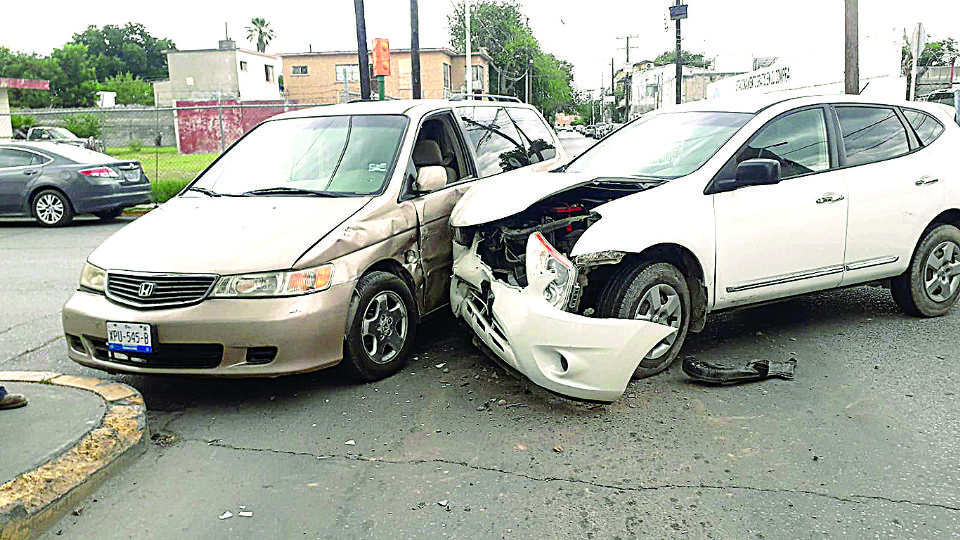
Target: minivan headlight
543 259
288 283
92 277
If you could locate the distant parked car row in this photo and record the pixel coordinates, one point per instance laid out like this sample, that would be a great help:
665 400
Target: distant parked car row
59 135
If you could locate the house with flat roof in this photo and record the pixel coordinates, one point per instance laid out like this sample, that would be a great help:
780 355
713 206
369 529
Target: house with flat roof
334 76
224 73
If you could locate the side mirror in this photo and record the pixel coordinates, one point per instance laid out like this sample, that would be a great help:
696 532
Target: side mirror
430 179
758 172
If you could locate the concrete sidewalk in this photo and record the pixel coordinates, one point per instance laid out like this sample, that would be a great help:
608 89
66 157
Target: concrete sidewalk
58 448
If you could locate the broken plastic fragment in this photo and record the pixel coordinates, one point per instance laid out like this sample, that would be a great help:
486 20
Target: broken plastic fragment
755 370
351 442
226 515
246 513
438 366
443 502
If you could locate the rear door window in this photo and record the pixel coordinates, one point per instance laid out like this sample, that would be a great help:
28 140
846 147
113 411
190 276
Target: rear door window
871 134
927 127
497 143
10 157
536 135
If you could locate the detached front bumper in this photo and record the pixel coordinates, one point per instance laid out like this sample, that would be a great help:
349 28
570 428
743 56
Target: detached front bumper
576 356
261 337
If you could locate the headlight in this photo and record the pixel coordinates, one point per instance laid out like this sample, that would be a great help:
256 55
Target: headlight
288 283
544 260
92 277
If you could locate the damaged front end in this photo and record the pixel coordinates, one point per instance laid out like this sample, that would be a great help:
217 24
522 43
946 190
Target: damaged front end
516 286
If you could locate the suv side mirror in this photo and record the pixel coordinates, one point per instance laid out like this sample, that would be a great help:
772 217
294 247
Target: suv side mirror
430 178
758 172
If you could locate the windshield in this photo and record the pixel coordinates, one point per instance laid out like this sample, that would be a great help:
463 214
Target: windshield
60 133
661 146
336 155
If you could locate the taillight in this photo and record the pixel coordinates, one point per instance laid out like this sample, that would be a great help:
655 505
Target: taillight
100 172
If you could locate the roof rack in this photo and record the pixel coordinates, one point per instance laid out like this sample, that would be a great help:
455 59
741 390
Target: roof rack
490 97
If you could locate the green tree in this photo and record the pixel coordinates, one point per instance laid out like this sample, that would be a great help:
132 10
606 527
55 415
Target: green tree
130 90
501 28
113 50
260 31
73 80
689 59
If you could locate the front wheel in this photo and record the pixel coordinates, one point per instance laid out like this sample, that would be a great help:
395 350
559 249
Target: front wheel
381 330
656 292
931 284
52 209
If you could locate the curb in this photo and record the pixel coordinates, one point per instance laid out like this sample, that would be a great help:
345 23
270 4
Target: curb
35 500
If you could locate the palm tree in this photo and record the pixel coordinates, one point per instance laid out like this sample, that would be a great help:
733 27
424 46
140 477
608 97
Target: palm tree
260 30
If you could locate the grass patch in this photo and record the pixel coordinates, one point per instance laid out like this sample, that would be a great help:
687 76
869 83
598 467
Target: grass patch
164 164
163 190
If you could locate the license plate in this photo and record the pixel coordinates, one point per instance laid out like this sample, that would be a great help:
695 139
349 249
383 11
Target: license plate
127 336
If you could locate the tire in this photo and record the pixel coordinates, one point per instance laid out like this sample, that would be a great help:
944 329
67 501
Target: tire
382 326
930 286
628 296
109 215
51 208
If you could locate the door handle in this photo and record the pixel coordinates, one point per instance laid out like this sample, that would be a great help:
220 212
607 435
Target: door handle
924 180
829 197
29 172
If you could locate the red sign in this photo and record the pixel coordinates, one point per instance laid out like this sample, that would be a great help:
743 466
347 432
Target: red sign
381 57
29 84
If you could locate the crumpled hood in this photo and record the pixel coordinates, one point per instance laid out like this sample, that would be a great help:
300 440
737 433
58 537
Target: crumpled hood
224 235
510 193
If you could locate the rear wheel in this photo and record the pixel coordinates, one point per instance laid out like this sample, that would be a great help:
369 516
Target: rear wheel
656 292
52 208
109 215
382 328
931 284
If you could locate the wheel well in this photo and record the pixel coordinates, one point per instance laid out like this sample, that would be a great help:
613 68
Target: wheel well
391 266
36 191
692 270
948 217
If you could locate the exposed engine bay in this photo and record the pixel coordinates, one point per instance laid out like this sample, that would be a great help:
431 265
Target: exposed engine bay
560 218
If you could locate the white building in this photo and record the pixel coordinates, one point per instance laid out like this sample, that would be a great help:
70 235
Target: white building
225 73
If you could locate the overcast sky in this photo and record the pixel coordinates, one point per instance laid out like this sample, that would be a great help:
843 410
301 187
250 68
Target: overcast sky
584 33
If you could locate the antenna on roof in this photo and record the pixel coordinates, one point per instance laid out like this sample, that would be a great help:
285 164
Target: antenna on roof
226 33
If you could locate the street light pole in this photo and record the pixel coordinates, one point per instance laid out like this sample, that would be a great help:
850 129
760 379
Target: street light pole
679 62
469 79
362 54
851 50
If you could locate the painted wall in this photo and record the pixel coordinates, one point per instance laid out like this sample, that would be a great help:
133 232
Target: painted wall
253 83
203 75
211 129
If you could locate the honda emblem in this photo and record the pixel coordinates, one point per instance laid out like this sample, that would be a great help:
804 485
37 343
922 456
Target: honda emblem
146 289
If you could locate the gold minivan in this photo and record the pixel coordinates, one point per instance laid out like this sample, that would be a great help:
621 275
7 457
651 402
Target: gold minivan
322 235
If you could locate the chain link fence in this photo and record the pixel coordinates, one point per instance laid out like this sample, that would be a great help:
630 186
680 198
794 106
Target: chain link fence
172 144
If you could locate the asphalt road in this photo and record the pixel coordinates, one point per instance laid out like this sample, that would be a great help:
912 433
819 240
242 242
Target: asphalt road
863 444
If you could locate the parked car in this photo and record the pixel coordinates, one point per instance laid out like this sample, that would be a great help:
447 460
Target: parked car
592 274
322 235
59 135
53 182
946 97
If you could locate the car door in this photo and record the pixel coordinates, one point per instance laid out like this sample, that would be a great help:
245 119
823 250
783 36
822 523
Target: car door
433 209
894 184
17 169
787 238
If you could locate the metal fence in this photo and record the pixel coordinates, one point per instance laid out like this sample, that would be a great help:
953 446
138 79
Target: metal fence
172 144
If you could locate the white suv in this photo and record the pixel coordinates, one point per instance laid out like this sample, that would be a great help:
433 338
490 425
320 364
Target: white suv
593 273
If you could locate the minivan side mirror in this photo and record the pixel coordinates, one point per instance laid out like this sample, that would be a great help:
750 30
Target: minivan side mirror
758 172
430 178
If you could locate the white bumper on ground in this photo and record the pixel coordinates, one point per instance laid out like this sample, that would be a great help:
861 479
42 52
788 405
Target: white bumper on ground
572 355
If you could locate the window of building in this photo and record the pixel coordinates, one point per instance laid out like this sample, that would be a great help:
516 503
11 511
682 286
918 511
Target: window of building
477 76
243 65
348 72
871 134
926 126
299 70
447 83
268 73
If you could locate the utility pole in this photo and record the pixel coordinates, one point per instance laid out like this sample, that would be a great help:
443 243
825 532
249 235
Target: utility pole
415 49
362 54
469 77
677 12
851 49
628 47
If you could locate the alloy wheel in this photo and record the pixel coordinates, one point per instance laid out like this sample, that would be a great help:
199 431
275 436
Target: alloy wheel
383 329
49 208
661 304
941 275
